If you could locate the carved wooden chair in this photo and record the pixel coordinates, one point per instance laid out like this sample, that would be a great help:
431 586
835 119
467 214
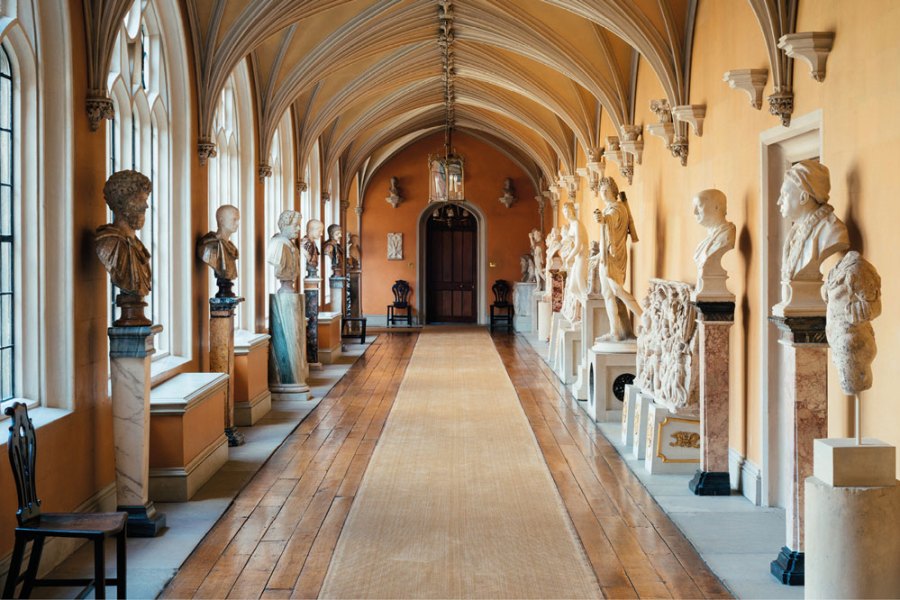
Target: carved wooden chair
401 291
35 526
502 308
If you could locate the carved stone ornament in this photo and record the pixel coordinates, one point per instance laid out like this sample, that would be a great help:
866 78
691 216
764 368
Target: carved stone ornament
751 81
301 186
781 105
509 193
632 143
679 148
685 439
264 170
99 106
668 360
693 114
615 152
395 246
664 128
812 47
394 198
206 149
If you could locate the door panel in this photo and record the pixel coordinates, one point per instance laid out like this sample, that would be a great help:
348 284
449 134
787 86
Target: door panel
451 271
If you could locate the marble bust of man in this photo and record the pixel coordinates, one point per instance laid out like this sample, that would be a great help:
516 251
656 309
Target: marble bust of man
709 209
309 246
354 254
123 255
334 249
283 253
216 249
816 233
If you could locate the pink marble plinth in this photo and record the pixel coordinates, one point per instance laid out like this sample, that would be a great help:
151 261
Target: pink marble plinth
714 394
221 355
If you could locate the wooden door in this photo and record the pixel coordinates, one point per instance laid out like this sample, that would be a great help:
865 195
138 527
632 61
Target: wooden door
451 269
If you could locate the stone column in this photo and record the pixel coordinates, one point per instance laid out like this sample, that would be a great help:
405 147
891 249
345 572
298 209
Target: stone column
287 358
130 350
221 356
714 320
311 290
804 387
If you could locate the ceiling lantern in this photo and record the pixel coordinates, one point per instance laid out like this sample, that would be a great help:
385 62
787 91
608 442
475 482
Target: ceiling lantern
445 171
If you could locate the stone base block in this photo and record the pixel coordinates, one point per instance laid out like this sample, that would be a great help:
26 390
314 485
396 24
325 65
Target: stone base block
710 483
329 337
629 406
248 413
143 521
522 323
552 336
639 425
673 443
840 462
235 437
609 373
544 316
789 567
297 393
568 352
180 484
251 386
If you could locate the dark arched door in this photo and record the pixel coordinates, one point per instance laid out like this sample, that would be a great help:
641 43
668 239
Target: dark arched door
451 265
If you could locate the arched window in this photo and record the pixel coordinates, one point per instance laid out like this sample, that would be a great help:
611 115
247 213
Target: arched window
7 234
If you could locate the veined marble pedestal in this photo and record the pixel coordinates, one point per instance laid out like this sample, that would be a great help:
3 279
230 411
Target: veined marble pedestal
673 442
221 356
568 348
639 423
544 317
594 323
804 389
714 320
311 292
611 368
522 293
557 288
852 521
130 351
287 360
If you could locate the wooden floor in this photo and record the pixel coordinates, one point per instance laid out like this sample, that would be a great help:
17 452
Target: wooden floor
277 539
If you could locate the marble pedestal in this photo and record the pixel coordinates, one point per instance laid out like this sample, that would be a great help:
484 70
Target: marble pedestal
544 316
611 368
714 320
354 303
522 305
555 320
287 360
221 356
568 349
852 541
673 442
593 324
629 405
557 288
536 298
804 390
311 293
130 351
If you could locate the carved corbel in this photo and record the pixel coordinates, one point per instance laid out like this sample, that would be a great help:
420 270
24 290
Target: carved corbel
751 81
811 46
554 192
206 149
664 127
679 148
693 114
98 106
781 104
264 170
326 197
570 183
358 210
301 186
615 153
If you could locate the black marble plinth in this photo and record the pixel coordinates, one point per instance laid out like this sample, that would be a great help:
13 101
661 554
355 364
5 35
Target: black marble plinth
235 437
801 330
789 567
715 311
143 521
710 483
312 326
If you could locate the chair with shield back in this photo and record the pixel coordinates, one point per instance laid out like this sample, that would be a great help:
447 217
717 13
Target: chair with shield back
401 291
502 308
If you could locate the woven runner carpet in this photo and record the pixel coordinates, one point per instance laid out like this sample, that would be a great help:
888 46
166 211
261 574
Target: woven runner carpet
457 501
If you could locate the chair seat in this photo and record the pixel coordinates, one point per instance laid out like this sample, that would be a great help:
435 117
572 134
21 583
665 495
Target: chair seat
400 305
502 304
77 524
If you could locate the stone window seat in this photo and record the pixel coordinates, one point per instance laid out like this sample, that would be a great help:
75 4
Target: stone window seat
329 337
252 399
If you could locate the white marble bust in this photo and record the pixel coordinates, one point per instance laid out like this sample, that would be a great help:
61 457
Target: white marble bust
816 233
216 249
283 252
853 295
710 208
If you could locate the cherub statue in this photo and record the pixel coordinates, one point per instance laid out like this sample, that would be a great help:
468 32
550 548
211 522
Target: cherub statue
216 249
709 210
309 247
283 252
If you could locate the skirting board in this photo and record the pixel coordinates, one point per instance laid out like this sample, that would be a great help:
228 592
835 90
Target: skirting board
745 477
179 485
329 356
247 414
56 550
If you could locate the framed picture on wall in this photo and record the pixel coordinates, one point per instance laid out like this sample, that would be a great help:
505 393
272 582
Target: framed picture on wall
395 246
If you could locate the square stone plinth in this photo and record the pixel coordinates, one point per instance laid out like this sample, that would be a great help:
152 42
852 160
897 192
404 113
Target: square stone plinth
840 462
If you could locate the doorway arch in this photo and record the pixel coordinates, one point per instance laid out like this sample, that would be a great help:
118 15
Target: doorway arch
481 261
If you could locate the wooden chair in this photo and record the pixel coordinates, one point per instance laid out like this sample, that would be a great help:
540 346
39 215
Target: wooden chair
502 308
35 527
401 291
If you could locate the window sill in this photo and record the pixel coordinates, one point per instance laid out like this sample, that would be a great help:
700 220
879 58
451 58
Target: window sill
166 368
40 415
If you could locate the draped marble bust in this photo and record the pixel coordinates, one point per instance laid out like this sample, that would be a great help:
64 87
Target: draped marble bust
283 253
309 247
334 249
216 249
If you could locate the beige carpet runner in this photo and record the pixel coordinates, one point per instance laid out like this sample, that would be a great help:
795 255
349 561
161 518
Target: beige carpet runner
457 501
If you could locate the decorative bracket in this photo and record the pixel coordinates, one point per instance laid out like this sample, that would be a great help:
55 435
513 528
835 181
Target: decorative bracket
632 142
553 193
206 149
781 104
693 114
812 46
615 153
99 106
301 186
664 128
264 170
752 81
326 197
570 183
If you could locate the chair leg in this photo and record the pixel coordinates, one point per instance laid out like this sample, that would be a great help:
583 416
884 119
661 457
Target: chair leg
37 547
15 565
99 569
121 565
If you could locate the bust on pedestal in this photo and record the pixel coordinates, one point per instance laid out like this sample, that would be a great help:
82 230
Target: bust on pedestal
309 247
220 254
130 347
287 317
334 250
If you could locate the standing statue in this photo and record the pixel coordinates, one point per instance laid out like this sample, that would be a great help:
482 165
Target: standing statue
354 254
552 258
616 225
334 249
709 209
816 233
576 260
120 250
309 247
537 257
216 249
283 253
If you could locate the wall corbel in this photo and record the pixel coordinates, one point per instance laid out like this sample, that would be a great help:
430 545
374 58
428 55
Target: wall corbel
751 81
813 47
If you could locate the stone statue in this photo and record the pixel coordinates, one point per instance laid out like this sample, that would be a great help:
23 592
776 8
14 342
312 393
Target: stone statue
593 283
334 249
283 253
216 249
576 261
309 247
394 198
537 257
120 250
853 296
815 234
354 254
709 209
616 225
552 258
526 263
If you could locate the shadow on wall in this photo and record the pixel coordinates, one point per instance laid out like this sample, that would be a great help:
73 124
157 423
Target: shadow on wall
745 251
854 198
660 241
